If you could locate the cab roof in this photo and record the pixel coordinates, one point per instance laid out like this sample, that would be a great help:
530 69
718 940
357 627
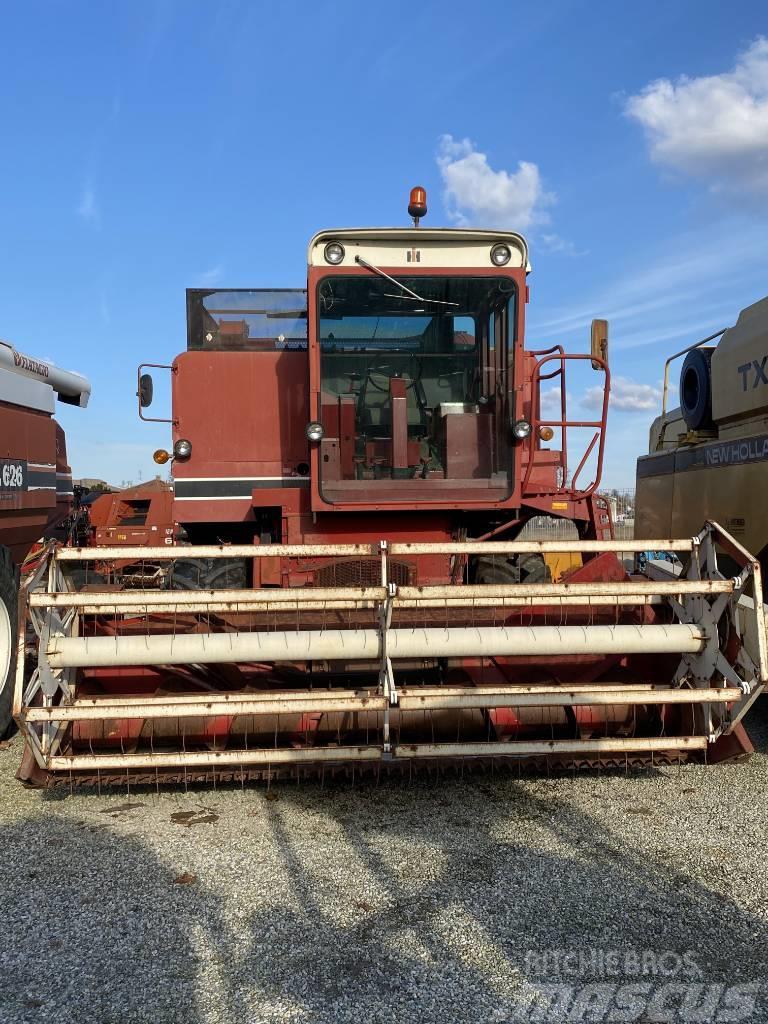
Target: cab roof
402 247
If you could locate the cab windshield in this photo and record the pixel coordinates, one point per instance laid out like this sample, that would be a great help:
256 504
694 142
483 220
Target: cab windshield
413 379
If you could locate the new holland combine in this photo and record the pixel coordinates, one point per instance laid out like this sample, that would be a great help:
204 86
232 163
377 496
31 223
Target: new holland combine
353 465
708 456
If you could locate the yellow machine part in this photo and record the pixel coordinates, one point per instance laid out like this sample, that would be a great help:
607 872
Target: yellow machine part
560 563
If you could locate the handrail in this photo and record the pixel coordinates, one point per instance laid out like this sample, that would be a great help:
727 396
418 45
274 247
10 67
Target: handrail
564 423
546 352
677 355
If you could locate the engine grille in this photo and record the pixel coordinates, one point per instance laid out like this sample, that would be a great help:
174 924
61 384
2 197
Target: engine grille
363 572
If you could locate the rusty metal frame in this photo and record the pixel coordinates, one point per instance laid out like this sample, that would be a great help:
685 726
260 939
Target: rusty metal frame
443 698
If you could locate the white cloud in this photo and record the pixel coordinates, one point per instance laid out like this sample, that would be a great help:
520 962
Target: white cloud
88 207
474 193
549 399
626 395
715 126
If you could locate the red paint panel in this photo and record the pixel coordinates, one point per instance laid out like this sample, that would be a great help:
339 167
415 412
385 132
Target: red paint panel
32 437
467 446
244 412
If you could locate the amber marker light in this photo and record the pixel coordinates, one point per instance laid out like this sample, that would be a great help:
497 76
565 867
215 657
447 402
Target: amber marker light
417 204
546 433
161 456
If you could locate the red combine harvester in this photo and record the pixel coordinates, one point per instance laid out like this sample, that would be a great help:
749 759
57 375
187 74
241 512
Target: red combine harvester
35 481
140 515
353 465
134 515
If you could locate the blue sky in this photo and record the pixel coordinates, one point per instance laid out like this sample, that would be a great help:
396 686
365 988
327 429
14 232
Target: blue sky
151 146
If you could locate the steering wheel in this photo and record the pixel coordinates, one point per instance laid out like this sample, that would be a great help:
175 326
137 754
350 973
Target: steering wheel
388 372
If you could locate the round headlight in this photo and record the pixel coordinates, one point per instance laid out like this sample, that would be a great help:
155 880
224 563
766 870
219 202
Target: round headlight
500 255
182 449
521 429
334 252
314 431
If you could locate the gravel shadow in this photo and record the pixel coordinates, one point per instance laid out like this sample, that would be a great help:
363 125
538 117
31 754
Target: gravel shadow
94 929
427 904
477 940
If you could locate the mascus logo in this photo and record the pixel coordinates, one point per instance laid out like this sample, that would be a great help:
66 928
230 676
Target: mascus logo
756 369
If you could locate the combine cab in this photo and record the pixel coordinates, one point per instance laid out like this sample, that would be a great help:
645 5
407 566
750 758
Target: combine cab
353 467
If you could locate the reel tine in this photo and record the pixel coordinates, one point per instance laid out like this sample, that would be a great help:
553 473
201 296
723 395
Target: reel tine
184 748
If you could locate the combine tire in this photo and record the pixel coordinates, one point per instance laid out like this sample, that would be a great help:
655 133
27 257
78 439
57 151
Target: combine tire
522 569
9 593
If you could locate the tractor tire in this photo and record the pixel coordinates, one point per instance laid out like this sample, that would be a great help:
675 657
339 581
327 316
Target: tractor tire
208 574
509 571
696 389
534 569
495 569
9 597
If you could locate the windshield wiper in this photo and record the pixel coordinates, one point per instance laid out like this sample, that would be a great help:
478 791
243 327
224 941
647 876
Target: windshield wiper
398 284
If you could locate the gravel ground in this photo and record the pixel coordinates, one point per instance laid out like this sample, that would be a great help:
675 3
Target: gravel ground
597 897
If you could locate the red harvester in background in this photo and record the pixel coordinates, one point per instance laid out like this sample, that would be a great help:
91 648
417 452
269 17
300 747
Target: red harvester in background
35 481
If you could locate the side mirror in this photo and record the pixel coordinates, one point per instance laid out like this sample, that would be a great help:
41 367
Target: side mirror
599 346
146 390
